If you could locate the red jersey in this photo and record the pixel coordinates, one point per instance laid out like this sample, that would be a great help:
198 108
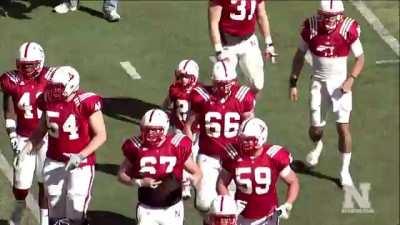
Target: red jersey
330 50
220 119
238 17
24 97
256 179
160 161
180 100
68 125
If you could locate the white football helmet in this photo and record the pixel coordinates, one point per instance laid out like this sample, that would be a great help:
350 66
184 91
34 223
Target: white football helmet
223 77
187 73
154 127
253 134
330 13
63 83
223 211
30 60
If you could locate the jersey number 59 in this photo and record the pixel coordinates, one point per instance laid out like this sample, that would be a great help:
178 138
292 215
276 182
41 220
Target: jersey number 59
262 180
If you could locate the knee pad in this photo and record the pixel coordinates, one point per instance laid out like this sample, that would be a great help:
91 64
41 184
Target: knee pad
315 133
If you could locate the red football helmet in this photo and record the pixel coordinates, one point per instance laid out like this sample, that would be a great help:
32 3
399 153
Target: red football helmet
223 78
187 73
63 83
253 134
330 14
30 60
154 127
223 211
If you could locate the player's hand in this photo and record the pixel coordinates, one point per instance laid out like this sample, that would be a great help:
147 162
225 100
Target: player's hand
347 85
293 94
149 182
18 159
14 144
270 54
285 210
74 161
240 206
222 55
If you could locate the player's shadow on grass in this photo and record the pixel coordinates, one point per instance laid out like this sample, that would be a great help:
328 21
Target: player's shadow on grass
34 4
126 109
3 222
17 10
107 168
300 167
91 12
99 217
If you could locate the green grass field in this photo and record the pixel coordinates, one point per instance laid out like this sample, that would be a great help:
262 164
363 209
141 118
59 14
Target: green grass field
155 36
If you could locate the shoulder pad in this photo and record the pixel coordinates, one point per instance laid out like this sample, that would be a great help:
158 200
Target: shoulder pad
231 151
12 75
241 93
312 26
346 25
202 92
49 72
82 97
273 150
177 139
135 141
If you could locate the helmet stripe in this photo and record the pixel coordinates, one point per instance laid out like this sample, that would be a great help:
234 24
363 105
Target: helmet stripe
223 64
186 63
331 6
26 49
151 115
244 126
221 207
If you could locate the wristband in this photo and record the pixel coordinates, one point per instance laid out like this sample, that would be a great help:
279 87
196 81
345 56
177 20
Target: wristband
218 47
12 135
268 41
10 123
293 82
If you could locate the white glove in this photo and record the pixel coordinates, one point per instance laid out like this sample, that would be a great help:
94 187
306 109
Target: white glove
240 206
14 142
74 161
270 52
222 55
285 210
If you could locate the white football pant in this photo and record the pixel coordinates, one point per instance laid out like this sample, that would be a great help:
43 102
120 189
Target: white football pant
250 59
23 177
272 220
151 216
206 190
68 192
327 95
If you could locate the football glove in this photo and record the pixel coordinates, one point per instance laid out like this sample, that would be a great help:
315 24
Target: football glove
270 52
74 161
285 210
222 55
240 206
14 142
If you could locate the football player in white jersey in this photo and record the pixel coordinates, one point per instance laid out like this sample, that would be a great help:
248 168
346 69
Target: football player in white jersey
330 36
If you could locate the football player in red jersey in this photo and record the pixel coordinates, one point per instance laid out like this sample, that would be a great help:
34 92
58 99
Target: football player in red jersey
186 76
232 26
256 167
154 162
75 125
20 89
218 109
330 37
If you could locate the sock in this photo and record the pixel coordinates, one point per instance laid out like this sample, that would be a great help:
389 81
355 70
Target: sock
318 147
346 157
44 217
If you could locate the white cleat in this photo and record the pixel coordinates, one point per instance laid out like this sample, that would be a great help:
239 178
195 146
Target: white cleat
312 158
64 8
345 179
112 16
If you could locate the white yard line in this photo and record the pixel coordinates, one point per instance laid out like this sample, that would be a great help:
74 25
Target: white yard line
213 59
390 61
130 70
31 203
373 20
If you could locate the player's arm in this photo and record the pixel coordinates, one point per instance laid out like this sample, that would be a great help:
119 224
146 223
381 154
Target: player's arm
166 106
223 181
9 116
358 52
290 178
249 105
192 121
36 136
298 62
123 173
263 23
96 123
214 15
194 170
